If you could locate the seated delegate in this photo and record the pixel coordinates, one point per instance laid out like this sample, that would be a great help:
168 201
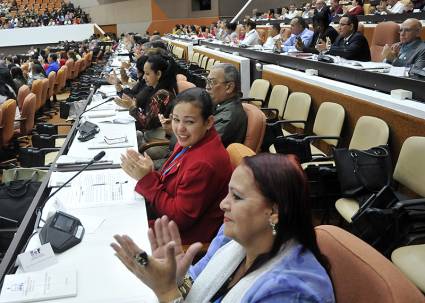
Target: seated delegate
230 120
324 34
194 180
350 43
159 73
266 251
251 36
410 51
299 32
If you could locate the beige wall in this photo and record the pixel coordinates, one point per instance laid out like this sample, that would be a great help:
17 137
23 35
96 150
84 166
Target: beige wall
178 9
129 16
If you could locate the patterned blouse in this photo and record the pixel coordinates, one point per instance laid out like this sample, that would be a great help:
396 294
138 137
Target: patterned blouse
147 114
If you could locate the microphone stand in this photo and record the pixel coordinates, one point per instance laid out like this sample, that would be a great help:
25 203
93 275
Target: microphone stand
91 108
96 158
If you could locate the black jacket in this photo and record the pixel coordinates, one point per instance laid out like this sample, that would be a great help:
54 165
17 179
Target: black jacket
355 48
329 32
230 121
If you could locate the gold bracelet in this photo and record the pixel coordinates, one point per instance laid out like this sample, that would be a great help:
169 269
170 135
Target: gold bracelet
185 287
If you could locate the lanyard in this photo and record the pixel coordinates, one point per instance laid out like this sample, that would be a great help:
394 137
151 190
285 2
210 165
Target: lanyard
172 163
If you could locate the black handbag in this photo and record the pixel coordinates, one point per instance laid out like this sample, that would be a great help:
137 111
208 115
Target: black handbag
294 144
15 199
387 220
363 172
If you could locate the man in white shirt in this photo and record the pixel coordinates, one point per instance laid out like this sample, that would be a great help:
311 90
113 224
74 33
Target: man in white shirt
391 7
292 12
251 37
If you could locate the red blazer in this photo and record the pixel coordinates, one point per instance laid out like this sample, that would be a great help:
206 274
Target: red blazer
357 10
191 191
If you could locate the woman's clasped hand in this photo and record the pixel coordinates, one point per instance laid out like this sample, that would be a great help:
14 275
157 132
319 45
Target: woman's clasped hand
136 165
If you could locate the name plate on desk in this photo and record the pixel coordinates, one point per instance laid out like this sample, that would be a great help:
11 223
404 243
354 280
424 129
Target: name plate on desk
37 259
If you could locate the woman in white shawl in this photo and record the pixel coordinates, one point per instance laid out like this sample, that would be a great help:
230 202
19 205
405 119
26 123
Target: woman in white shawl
266 250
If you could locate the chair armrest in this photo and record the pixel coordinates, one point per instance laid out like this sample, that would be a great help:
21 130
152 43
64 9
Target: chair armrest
412 202
321 158
251 99
201 253
155 143
286 122
268 110
200 72
48 150
8 230
315 138
54 124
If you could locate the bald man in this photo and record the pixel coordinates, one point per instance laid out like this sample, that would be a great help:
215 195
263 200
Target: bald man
410 50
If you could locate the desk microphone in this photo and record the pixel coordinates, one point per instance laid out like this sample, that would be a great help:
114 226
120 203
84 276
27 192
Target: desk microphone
87 110
62 230
95 159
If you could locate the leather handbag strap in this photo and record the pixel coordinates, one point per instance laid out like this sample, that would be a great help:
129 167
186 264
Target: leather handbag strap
384 164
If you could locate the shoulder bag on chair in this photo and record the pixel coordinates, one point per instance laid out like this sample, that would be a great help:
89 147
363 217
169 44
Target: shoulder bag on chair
294 144
363 171
387 221
15 198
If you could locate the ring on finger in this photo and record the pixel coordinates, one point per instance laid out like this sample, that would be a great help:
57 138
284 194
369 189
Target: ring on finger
142 258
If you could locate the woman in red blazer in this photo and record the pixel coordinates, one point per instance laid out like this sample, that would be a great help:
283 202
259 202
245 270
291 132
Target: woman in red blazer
357 8
194 180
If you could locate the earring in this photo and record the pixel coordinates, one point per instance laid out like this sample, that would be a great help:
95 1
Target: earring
273 226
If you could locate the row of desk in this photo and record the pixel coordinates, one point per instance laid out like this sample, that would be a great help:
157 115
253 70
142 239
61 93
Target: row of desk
110 206
375 81
359 92
362 18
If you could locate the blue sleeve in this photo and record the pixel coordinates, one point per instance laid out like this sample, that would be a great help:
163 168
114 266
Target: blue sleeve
289 44
307 37
291 289
219 240
297 278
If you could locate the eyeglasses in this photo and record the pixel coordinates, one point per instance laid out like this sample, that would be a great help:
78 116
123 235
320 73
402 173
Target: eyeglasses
112 141
213 82
406 30
342 24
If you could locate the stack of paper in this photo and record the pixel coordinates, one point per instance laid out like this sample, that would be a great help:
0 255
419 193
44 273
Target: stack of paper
39 286
108 90
94 189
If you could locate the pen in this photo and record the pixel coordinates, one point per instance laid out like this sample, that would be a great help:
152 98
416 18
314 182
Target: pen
124 182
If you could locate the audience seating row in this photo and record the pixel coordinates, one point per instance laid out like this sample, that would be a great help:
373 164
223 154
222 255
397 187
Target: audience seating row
34 104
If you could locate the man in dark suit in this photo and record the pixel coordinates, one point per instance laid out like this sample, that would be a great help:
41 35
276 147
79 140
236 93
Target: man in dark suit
350 43
322 8
410 50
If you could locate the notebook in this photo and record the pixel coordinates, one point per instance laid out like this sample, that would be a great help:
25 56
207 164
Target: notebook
39 285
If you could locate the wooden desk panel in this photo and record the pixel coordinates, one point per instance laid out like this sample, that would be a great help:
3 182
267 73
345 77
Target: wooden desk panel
401 125
241 63
219 58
